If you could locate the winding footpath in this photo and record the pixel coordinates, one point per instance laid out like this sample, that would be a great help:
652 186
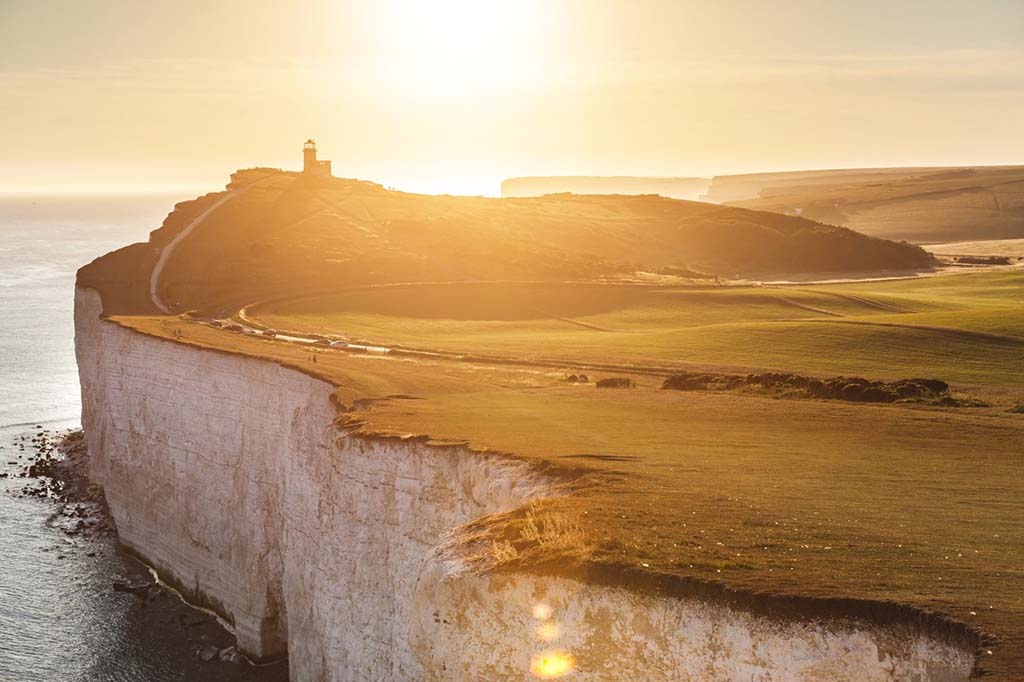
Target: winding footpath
165 253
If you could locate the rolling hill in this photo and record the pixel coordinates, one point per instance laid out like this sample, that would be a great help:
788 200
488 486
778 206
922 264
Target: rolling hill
287 234
921 205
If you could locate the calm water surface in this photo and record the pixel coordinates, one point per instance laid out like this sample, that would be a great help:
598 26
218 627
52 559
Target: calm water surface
59 617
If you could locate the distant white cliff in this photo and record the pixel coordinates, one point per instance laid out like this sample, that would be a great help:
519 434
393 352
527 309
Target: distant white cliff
674 188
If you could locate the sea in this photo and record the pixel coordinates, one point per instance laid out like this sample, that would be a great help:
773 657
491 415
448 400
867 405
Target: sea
60 617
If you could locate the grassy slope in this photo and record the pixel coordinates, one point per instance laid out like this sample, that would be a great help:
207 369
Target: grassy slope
928 206
968 329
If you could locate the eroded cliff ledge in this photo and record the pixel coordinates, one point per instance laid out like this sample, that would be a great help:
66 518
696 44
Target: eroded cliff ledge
230 476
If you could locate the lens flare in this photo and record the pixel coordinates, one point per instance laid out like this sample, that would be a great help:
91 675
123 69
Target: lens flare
552 664
547 632
542 611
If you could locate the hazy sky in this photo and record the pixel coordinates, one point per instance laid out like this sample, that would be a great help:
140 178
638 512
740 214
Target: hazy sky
453 95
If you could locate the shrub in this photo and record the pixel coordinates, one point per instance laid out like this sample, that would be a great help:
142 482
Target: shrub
616 382
877 394
934 385
853 389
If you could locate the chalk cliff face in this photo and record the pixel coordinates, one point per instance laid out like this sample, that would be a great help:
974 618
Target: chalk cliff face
227 474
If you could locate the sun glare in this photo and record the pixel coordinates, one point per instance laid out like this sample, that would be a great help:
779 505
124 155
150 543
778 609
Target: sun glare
547 632
542 611
552 664
451 47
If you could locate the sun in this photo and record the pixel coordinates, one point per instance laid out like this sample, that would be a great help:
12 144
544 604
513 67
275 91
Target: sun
447 47
456 27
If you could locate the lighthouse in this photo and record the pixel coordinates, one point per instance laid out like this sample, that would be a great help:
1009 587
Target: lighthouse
310 164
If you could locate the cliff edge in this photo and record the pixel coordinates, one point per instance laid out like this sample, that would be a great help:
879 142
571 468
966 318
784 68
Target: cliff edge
231 477
403 437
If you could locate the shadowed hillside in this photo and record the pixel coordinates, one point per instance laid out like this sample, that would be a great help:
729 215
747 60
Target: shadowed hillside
284 234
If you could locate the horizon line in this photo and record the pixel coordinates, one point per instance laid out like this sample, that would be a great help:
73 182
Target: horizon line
157 188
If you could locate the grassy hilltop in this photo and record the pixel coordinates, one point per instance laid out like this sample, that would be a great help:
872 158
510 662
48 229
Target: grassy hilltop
504 319
290 234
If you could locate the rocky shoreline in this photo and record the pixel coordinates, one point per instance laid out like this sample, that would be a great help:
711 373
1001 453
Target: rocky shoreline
55 470
53 465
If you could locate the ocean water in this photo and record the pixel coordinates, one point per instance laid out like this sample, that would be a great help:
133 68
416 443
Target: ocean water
60 619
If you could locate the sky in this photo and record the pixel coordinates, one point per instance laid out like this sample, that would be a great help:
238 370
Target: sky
455 95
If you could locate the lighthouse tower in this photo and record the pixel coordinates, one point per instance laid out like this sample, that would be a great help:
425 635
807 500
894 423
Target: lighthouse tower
310 164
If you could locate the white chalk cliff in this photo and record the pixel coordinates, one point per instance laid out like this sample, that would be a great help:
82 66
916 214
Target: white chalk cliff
227 475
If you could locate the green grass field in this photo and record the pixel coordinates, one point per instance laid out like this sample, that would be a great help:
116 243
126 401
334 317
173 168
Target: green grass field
966 329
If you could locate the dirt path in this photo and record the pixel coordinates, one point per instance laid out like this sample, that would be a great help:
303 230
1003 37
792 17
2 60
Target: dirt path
167 251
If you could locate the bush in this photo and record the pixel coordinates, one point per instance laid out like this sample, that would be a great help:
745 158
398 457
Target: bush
686 381
877 394
934 385
853 389
616 382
